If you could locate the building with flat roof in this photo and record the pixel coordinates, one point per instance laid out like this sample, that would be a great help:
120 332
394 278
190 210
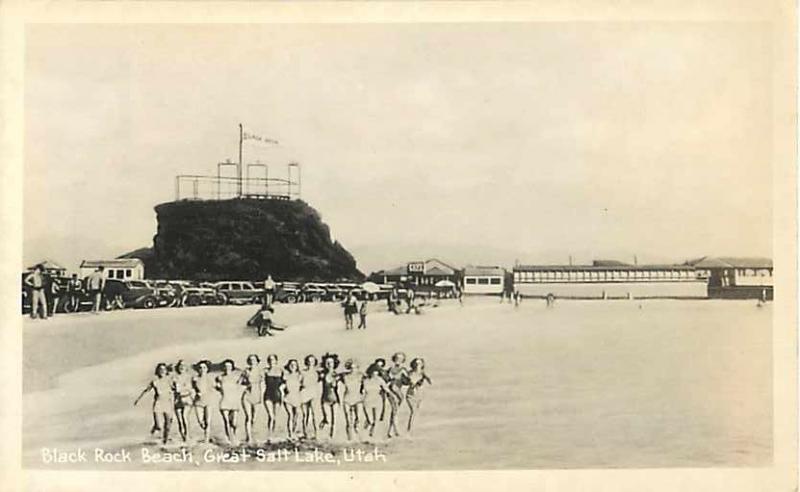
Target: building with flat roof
120 268
483 280
737 277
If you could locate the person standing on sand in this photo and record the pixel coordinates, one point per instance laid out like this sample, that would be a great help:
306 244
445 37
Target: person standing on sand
252 378
416 379
36 282
161 386
350 310
398 377
292 397
55 292
203 387
330 391
353 396
96 282
310 389
362 314
74 288
375 389
182 395
273 392
230 402
269 291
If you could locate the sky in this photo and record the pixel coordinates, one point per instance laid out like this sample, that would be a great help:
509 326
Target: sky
480 143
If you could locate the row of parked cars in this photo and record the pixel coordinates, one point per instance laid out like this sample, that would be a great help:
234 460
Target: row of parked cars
148 294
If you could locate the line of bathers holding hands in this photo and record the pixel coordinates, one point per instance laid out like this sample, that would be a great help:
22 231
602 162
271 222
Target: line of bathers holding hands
320 383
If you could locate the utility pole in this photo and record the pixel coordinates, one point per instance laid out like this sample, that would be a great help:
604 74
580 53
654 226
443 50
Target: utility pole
239 167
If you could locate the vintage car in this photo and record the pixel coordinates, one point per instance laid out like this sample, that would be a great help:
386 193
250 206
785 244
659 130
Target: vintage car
121 294
238 293
288 292
314 292
198 293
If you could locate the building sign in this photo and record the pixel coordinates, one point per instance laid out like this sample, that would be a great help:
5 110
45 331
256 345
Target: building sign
416 267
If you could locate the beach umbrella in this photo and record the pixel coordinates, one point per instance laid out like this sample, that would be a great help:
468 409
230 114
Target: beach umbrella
444 283
370 287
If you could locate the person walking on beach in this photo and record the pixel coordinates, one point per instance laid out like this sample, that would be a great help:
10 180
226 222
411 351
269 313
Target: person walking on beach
252 378
161 386
330 391
398 377
74 289
96 282
269 291
203 387
362 314
353 396
416 379
36 282
292 400
230 392
350 310
273 391
182 396
391 301
310 391
375 389
411 294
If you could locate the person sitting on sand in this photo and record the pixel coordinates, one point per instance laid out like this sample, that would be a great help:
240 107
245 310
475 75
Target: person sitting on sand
416 379
353 396
330 391
310 391
230 402
273 392
398 378
252 378
203 387
161 386
292 382
375 389
182 397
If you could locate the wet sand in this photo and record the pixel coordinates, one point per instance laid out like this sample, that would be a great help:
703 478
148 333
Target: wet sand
586 384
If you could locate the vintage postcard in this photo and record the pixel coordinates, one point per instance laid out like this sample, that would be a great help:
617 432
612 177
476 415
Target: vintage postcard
412 246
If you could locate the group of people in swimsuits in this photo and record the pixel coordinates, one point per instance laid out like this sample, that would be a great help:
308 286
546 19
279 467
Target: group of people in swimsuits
300 391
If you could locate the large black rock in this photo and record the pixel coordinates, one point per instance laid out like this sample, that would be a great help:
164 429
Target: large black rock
244 239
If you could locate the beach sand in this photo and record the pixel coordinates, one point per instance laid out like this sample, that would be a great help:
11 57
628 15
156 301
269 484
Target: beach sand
586 384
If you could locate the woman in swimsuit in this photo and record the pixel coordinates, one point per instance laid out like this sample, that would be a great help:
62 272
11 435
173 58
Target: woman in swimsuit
230 401
182 394
330 393
398 377
380 365
375 389
353 396
203 387
273 394
161 386
291 395
416 379
310 390
252 378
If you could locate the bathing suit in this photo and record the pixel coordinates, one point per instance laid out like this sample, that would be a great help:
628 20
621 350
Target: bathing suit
372 392
310 387
352 389
273 392
329 383
292 381
161 399
414 393
253 379
231 391
182 390
202 390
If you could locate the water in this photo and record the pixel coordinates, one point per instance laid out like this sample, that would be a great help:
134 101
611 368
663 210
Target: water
592 384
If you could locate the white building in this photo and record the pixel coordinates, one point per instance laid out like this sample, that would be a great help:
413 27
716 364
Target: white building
121 268
484 280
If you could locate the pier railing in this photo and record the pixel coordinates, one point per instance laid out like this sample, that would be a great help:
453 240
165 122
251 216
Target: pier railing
196 187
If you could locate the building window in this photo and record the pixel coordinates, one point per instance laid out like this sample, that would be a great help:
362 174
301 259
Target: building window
128 272
483 281
470 281
494 281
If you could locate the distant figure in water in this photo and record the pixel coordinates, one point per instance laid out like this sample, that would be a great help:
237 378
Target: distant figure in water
161 386
551 300
416 379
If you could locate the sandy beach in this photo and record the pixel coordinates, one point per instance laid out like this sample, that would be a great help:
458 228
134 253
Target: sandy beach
586 384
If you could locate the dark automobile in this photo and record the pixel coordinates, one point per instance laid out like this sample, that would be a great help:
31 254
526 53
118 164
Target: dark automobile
123 294
198 294
288 292
238 293
314 292
335 292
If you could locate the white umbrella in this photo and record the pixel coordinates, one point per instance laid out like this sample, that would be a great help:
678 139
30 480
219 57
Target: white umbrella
371 287
444 283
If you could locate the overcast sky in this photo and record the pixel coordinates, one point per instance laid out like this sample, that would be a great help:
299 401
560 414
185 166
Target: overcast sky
477 143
